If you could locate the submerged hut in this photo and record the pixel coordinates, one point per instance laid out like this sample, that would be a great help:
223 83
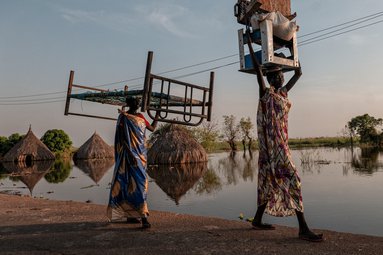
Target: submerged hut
175 145
28 149
29 175
94 148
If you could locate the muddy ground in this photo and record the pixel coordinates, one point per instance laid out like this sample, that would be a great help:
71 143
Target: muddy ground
38 226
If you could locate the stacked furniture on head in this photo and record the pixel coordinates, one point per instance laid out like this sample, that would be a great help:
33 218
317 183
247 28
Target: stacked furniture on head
268 24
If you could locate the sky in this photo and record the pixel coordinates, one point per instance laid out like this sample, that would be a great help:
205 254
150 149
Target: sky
107 41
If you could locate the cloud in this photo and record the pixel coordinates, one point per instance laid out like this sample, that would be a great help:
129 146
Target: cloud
114 21
164 20
172 18
177 20
76 16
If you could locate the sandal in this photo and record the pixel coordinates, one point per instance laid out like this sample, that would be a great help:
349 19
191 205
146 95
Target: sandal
262 226
145 223
311 237
133 220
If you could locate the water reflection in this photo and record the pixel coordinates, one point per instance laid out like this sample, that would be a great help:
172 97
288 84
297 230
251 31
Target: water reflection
361 161
366 161
209 183
237 166
250 165
95 168
312 161
59 171
3 172
177 180
227 186
29 175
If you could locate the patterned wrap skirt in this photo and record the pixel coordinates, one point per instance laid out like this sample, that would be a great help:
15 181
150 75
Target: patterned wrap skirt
129 185
279 186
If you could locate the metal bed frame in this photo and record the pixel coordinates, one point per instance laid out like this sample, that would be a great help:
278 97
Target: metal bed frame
194 106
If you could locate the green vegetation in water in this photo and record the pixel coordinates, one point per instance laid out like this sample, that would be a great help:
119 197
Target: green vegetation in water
319 142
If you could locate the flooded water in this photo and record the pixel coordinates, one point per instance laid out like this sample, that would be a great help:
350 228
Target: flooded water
342 189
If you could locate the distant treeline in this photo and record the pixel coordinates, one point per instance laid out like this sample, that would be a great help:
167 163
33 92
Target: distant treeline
363 130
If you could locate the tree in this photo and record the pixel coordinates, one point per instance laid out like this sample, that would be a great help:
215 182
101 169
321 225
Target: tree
207 134
365 126
15 138
346 132
3 172
3 145
7 143
246 127
56 140
230 131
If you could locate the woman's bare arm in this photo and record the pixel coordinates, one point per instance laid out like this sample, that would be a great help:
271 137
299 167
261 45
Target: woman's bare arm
294 79
257 67
261 81
153 126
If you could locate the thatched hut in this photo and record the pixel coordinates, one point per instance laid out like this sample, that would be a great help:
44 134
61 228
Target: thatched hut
176 180
28 149
94 148
176 146
29 175
95 168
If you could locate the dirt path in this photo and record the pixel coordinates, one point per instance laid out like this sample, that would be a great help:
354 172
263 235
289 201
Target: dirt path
36 226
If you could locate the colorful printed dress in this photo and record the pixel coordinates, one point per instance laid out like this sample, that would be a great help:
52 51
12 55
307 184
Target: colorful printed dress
129 184
278 182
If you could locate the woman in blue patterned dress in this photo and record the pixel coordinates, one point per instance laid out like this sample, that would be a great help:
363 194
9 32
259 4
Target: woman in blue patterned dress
130 183
279 186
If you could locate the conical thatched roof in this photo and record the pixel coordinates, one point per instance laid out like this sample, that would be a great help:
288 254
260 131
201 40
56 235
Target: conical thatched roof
95 168
177 180
176 146
30 148
29 175
94 148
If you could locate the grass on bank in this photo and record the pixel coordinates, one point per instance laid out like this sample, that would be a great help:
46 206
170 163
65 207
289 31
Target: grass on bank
319 142
294 143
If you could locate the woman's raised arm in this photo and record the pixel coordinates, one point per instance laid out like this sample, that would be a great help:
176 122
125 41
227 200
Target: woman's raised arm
294 79
257 67
153 126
